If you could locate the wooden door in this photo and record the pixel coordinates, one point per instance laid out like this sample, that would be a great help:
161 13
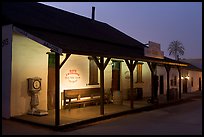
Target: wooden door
115 75
185 80
200 84
161 84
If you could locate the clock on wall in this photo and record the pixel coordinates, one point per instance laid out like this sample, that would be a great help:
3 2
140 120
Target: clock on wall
34 87
34 84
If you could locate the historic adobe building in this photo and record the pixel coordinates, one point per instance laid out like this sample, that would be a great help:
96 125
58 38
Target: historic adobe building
68 51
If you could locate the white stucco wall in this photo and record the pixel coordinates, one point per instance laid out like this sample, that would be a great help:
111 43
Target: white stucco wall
174 72
146 78
161 71
29 59
195 75
79 66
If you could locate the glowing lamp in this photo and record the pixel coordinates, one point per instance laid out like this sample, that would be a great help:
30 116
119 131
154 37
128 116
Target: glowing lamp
187 77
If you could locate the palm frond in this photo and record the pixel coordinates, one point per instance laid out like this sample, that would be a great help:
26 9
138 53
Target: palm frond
176 48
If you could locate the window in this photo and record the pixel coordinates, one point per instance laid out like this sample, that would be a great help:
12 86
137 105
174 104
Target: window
93 72
175 77
139 72
191 81
173 81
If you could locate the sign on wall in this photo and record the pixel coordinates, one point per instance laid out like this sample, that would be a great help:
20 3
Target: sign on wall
72 76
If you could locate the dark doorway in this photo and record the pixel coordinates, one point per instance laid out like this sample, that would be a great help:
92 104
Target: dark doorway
185 80
155 85
199 83
115 75
116 94
161 84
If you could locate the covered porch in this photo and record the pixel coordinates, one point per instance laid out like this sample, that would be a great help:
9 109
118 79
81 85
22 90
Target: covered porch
83 114
90 113
102 43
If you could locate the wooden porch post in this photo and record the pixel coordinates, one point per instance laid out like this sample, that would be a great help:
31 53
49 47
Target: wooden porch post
57 89
167 67
101 65
102 86
179 70
152 67
66 58
57 85
131 67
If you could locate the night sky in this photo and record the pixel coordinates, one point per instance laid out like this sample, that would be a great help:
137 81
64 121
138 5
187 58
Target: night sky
160 22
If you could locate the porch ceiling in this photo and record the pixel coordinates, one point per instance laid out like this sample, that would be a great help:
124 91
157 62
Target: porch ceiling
85 46
92 47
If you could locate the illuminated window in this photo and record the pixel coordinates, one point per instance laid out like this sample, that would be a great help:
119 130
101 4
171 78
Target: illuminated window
139 72
192 81
93 72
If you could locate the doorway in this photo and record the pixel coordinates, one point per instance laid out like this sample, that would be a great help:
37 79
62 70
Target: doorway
115 75
115 88
199 83
161 85
185 80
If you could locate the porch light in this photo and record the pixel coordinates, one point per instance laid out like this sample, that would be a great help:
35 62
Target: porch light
182 77
187 77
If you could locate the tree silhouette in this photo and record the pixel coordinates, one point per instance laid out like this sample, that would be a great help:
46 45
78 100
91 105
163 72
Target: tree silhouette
176 48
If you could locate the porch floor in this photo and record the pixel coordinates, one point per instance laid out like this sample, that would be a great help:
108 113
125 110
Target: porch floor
83 113
76 115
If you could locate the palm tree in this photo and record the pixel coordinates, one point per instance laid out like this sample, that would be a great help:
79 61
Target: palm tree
176 48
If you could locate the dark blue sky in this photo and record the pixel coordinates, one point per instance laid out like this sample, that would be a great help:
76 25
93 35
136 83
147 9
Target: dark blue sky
160 22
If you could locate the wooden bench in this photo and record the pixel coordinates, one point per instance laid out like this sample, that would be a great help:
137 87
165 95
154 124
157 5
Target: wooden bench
81 96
